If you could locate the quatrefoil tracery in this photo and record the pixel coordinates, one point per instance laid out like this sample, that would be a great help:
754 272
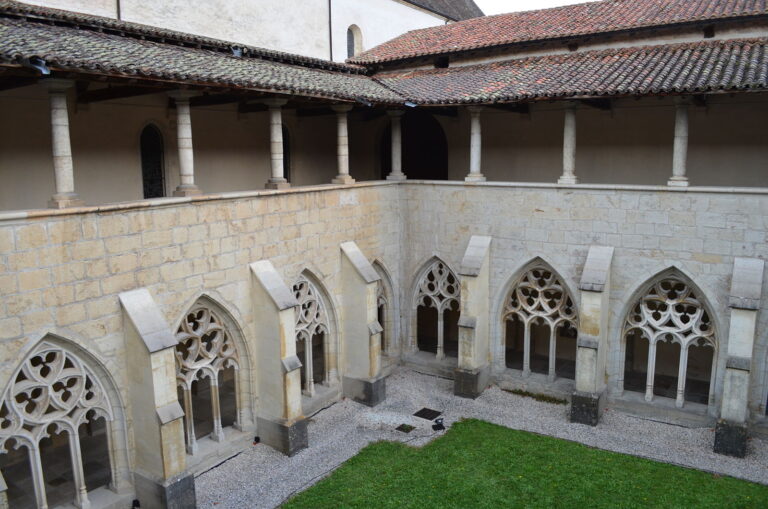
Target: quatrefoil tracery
540 296
670 311
204 347
311 317
438 288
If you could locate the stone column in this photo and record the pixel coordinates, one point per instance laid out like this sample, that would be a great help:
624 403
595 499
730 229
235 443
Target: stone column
277 180
187 186
592 343
475 146
397 145
569 145
680 151
342 143
280 420
744 301
473 372
361 331
160 474
62 148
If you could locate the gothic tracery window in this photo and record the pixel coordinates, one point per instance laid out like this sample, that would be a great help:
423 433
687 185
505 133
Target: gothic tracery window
381 313
437 311
58 410
541 322
670 343
206 372
311 334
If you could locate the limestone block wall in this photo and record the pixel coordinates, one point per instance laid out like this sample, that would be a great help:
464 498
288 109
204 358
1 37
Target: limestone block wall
61 273
698 232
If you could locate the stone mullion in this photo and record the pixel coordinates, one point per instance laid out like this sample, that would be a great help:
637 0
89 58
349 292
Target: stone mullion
239 419
309 371
189 421
81 491
36 465
651 371
440 339
218 432
552 351
527 348
681 377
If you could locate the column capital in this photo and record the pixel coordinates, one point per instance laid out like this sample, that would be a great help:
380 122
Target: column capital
275 102
58 85
395 113
476 109
181 95
341 108
682 101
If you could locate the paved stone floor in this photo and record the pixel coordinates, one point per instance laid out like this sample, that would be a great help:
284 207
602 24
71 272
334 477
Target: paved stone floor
262 477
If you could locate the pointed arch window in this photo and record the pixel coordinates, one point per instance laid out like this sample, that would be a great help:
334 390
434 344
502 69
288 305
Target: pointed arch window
541 322
311 334
152 162
207 364
670 343
59 411
437 311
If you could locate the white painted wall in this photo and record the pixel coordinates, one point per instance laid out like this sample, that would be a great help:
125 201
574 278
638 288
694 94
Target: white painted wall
294 26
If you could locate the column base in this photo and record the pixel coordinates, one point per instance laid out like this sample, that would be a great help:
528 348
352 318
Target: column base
397 177
474 178
187 190
568 180
343 179
277 184
177 493
678 182
65 201
368 392
470 383
731 439
586 408
288 438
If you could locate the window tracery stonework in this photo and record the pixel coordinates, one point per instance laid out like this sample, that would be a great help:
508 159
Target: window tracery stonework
204 349
439 288
671 312
541 297
381 303
311 320
53 392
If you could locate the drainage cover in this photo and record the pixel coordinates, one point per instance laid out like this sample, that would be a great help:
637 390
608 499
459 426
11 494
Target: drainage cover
428 414
405 428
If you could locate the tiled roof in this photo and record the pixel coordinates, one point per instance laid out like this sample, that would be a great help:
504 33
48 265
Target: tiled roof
11 8
65 47
561 22
668 69
456 10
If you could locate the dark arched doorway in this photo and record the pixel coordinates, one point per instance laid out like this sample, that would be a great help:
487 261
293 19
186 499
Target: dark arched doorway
152 162
425 148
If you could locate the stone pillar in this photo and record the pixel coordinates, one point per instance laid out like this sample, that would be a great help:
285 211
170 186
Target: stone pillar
744 301
187 186
342 143
569 145
277 180
281 423
361 331
160 457
475 146
397 145
63 168
680 150
473 372
3 493
592 344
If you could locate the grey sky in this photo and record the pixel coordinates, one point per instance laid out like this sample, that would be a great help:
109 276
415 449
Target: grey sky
499 6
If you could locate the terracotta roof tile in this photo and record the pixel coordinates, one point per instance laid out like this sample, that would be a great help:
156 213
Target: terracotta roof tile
567 21
668 69
456 10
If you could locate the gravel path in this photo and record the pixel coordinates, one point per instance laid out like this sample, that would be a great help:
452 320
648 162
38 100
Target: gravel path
262 477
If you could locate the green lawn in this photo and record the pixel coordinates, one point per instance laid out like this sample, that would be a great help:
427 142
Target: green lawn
477 464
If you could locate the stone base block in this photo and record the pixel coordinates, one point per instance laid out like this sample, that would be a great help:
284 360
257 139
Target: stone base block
187 190
474 178
470 383
277 184
368 392
177 493
568 180
586 408
288 438
396 177
65 201
731 439
343 179
678 182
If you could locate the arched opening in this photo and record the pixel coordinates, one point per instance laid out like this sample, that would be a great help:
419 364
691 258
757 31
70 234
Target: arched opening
385 309
207 365
669 344
437 311
424 150
311 335
56 419
152 162
381 317
540 324
354 41
286 154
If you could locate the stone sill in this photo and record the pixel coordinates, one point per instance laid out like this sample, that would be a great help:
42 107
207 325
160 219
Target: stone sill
235 195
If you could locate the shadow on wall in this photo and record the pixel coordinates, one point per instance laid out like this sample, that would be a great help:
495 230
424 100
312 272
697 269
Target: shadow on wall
425 148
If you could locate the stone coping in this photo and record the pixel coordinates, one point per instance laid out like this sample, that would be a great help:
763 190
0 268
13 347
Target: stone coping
16 215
